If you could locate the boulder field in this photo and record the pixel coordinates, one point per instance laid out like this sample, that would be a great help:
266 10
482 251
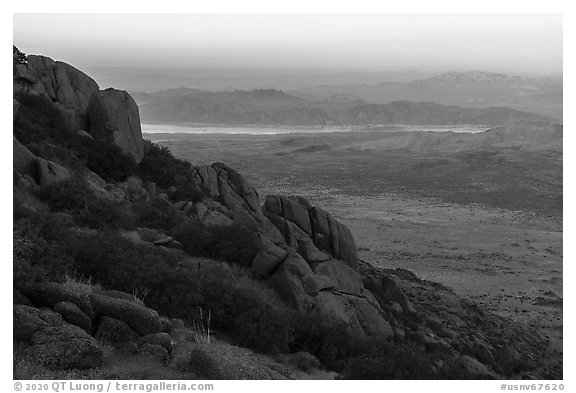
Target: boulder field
64 326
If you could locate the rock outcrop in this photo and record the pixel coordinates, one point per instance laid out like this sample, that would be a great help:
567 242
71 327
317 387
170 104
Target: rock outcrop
224 183
74 315
49 294
49 172
23 159
114 114
115 332
327 233
43 172
303 252
141 319
109 114
66 332
53 342
63 84
65 346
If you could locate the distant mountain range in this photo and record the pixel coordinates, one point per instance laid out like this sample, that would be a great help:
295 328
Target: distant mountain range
275 107
230 78
474 89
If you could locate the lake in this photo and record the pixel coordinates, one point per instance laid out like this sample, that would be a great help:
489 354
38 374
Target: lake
274 130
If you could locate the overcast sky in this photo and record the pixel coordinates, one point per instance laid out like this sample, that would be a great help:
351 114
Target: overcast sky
504 42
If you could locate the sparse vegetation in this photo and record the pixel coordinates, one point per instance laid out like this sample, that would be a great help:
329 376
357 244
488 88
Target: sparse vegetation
160 166
304 361
105 159
39 120
72 195
104 214
18 56
158 213
38 250
201 328
234 243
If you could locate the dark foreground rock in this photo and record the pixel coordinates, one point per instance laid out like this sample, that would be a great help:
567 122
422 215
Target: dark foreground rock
115 332
49 294
73 315
65 346
53 342
141 319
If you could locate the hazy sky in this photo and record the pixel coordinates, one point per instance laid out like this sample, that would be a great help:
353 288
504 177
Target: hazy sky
505 42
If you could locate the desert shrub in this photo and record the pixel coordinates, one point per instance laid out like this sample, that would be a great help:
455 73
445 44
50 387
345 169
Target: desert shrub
330 343
38 120
20 210
411 320
24 203
34 260
161 167
39 251
188 192
243 308
195 237
248 310
105 159
262 328
59 153
453 370
202 365
513 367
50 226
118 263
158 213
18 56
102 213
71 194
304 361
389 361
75 196
235 243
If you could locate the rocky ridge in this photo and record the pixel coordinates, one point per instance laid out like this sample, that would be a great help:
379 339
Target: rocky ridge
308 256
84 106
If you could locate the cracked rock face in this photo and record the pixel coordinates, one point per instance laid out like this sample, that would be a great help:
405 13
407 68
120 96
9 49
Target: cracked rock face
114 113
234 191
327 233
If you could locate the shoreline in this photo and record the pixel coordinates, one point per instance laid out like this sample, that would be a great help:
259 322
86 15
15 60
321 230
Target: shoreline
148 128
